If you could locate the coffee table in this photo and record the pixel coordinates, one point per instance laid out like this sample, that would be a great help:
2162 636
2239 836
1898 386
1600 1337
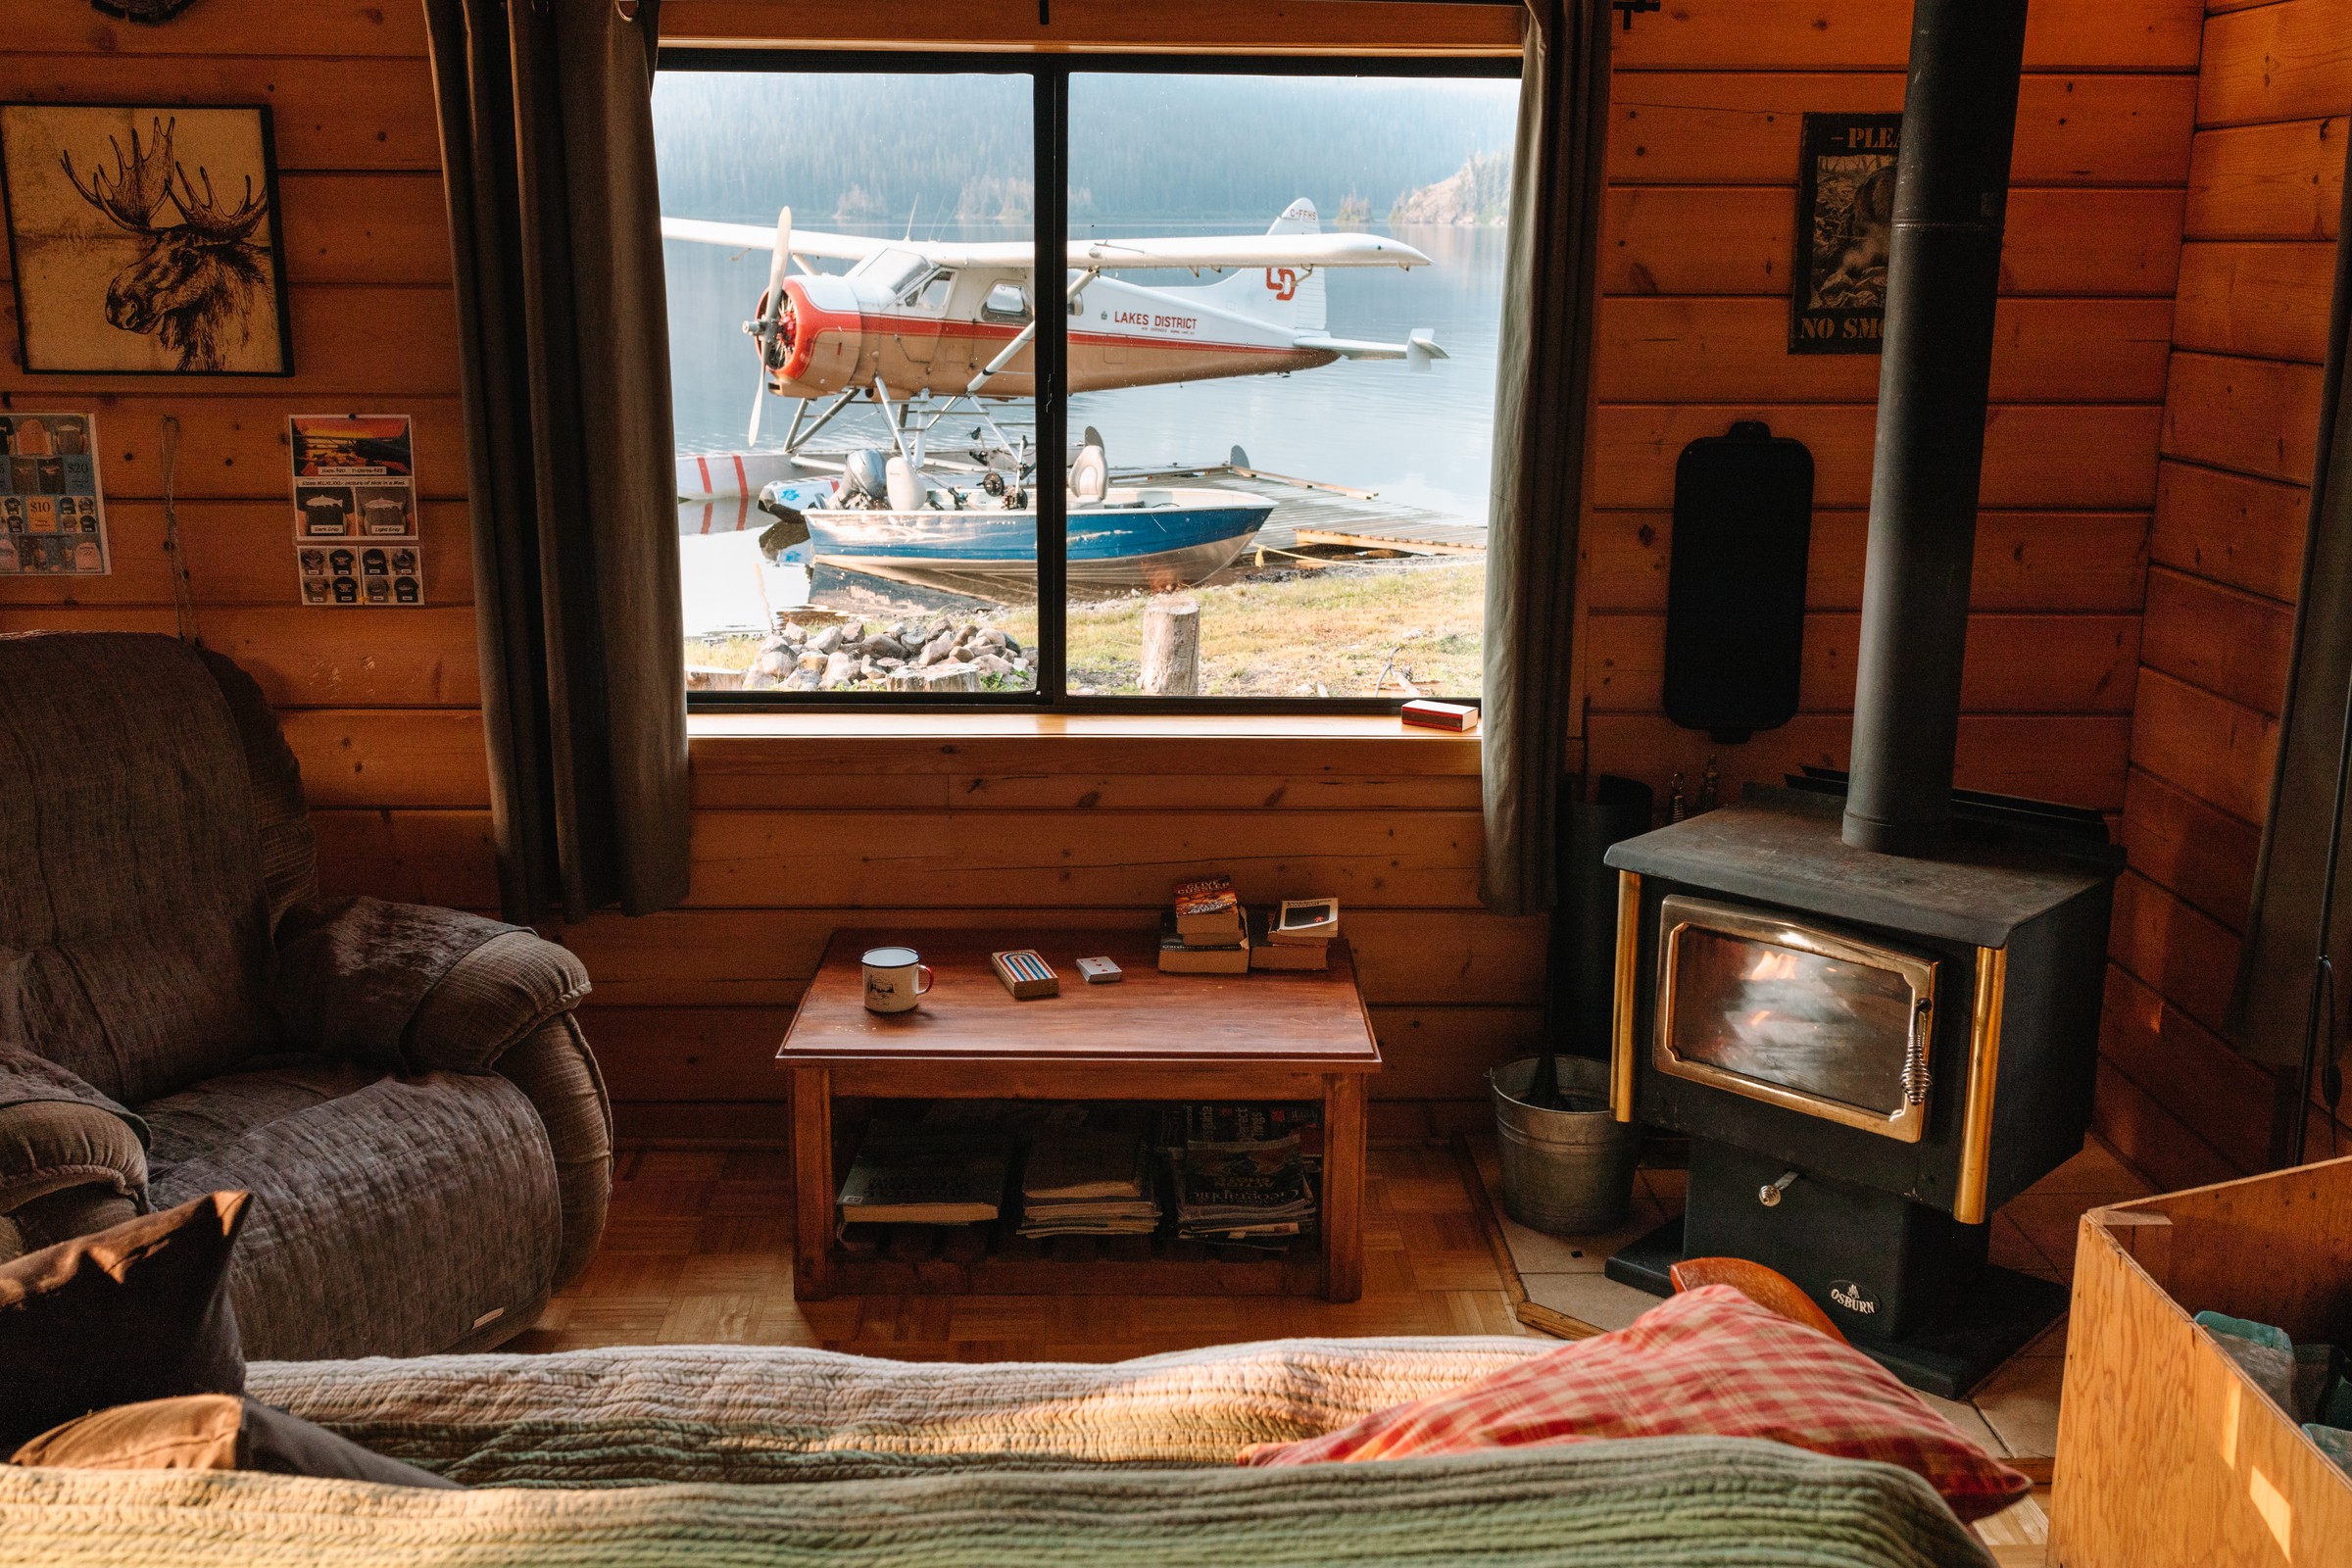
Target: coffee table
1266 1035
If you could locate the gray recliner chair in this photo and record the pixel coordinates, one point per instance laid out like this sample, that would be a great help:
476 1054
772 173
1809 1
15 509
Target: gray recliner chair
403 1089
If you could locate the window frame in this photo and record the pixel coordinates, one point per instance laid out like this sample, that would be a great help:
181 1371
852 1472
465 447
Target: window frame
1050 78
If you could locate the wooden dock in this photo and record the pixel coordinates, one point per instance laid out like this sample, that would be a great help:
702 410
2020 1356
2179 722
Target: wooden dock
1308 515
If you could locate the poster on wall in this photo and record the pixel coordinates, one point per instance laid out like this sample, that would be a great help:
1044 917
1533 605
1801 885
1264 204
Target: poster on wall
52 516
145 239
354 510
1845 219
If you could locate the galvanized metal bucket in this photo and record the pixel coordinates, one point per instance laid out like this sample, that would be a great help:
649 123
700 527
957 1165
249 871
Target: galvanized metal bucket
1564 1172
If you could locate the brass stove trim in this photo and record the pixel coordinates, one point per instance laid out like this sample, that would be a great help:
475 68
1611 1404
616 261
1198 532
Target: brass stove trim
1629 948
1908 1125
1983 1068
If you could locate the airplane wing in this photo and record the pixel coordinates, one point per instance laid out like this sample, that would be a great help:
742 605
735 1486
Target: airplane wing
1417 351
762 237
1189 253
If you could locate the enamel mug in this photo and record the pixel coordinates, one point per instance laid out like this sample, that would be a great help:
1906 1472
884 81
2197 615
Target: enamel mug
895 978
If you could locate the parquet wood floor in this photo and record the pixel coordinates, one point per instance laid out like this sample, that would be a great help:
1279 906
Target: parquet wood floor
699 1250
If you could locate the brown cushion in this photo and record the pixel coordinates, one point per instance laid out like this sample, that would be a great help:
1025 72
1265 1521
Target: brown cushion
136 1312
214 1432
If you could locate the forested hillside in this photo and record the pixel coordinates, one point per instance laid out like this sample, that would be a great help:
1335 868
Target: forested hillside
879 149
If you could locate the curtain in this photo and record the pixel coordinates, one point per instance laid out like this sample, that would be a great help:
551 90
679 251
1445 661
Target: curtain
2290 876
1542 400
547 148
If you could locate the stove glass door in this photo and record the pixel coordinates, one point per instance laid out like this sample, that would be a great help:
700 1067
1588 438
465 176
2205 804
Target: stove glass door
1795 1014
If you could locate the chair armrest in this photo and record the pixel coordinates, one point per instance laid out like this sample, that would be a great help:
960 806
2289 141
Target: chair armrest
552 1068
416 989
67 1155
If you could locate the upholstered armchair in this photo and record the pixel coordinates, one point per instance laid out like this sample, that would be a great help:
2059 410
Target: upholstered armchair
403 1089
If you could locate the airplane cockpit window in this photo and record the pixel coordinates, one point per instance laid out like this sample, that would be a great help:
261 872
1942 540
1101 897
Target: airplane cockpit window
890 270
1007 302
932 293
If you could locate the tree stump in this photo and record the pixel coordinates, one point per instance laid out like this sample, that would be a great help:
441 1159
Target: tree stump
1172 648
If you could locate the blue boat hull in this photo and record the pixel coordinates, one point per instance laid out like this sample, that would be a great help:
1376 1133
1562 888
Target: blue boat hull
1156 546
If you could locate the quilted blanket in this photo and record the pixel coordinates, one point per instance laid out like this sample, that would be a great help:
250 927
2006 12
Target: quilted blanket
1666 1502
744 1413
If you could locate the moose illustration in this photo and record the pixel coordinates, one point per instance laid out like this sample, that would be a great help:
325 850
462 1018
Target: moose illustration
195 279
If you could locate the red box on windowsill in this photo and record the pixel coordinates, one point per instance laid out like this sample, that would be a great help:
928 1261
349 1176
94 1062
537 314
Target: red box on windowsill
1425 714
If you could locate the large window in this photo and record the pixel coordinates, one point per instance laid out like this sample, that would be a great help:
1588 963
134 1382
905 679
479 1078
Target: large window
1234 452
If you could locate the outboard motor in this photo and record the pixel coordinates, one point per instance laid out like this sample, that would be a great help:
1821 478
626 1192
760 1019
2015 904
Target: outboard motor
867 473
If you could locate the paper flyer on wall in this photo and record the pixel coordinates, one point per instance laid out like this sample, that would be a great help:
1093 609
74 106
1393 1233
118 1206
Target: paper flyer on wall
354 510
52 516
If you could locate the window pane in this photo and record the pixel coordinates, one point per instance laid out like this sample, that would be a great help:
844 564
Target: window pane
1291 428
879 532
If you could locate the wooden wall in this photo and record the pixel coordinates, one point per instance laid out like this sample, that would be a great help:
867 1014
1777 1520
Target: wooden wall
2240 426
1709 97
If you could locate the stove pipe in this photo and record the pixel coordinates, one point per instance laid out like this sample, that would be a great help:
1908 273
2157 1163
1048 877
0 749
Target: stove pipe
1942 273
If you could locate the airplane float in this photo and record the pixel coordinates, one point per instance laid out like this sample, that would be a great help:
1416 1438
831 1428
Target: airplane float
917 327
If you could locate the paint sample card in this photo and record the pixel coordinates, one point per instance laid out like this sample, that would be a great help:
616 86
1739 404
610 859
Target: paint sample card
354 510
52 516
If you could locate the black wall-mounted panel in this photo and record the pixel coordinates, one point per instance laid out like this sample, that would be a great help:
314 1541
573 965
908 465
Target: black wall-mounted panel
1735 590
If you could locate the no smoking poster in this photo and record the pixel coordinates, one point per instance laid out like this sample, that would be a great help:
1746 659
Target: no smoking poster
354 510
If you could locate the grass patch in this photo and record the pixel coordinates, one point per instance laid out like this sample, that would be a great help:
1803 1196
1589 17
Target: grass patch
1284 637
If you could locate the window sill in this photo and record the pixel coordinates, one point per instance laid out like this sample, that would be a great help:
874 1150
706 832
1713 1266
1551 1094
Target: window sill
1055 743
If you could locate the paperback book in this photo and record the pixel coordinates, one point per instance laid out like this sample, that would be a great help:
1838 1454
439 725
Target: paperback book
1178 955
916 1173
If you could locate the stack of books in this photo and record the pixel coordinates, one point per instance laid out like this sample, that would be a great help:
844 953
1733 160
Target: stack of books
1247 1173
1089 1181
1295 936
1205 932
926 1173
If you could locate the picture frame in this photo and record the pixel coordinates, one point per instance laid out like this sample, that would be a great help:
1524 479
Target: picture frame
145 239
1844 226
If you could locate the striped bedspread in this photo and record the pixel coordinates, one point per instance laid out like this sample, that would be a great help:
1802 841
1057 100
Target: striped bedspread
1664 1503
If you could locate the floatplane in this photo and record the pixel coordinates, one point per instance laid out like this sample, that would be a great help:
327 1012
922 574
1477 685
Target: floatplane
919 327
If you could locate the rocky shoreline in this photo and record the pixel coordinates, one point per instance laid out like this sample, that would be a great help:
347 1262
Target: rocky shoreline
940 654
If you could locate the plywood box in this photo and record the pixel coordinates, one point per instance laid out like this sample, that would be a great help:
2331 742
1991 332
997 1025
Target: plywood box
2167 1453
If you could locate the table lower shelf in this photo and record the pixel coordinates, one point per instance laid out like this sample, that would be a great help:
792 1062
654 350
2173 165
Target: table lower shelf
994 1260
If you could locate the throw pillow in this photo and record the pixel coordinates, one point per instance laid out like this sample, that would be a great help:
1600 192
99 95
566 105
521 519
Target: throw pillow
1707 1361
138 1311
214 1432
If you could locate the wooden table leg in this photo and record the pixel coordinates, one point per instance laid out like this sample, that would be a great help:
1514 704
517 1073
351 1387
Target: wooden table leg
813 1183
1343 1186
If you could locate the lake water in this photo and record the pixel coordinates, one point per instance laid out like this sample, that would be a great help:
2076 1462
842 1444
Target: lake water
1421 439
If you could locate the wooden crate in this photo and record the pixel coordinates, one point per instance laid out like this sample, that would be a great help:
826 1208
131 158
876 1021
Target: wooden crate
2167 1453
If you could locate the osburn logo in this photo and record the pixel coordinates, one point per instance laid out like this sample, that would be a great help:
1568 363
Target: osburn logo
1853 1297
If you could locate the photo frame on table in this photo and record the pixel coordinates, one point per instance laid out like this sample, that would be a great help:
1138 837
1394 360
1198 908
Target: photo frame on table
145 239
1844 225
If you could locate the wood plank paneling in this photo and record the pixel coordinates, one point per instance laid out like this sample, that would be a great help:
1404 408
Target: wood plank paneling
2077 760
778 753
1734 127
1671 350
339 114
2025 559
237 553
2154 1139
2216 750
2016 663
2232 644
237 27
2265 300
751 860
411 856
2188 1070
765 958
2178 952
2230 529
402 342
1832 34
2090 455
2257 417
1204 27
234 444
362 757
2290 61
2268 182
360 657
2202 855
1734 239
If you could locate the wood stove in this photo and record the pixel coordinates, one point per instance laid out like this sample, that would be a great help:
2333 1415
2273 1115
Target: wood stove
1870 1054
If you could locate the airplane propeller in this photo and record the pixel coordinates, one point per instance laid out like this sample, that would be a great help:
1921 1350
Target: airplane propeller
763 330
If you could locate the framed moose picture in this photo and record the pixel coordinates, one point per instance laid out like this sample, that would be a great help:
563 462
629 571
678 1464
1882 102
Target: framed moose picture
145 240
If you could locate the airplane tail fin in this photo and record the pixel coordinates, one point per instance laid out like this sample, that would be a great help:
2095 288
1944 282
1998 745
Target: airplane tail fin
1292 296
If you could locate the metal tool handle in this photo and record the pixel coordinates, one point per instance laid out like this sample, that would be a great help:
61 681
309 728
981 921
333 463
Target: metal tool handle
1769 1194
